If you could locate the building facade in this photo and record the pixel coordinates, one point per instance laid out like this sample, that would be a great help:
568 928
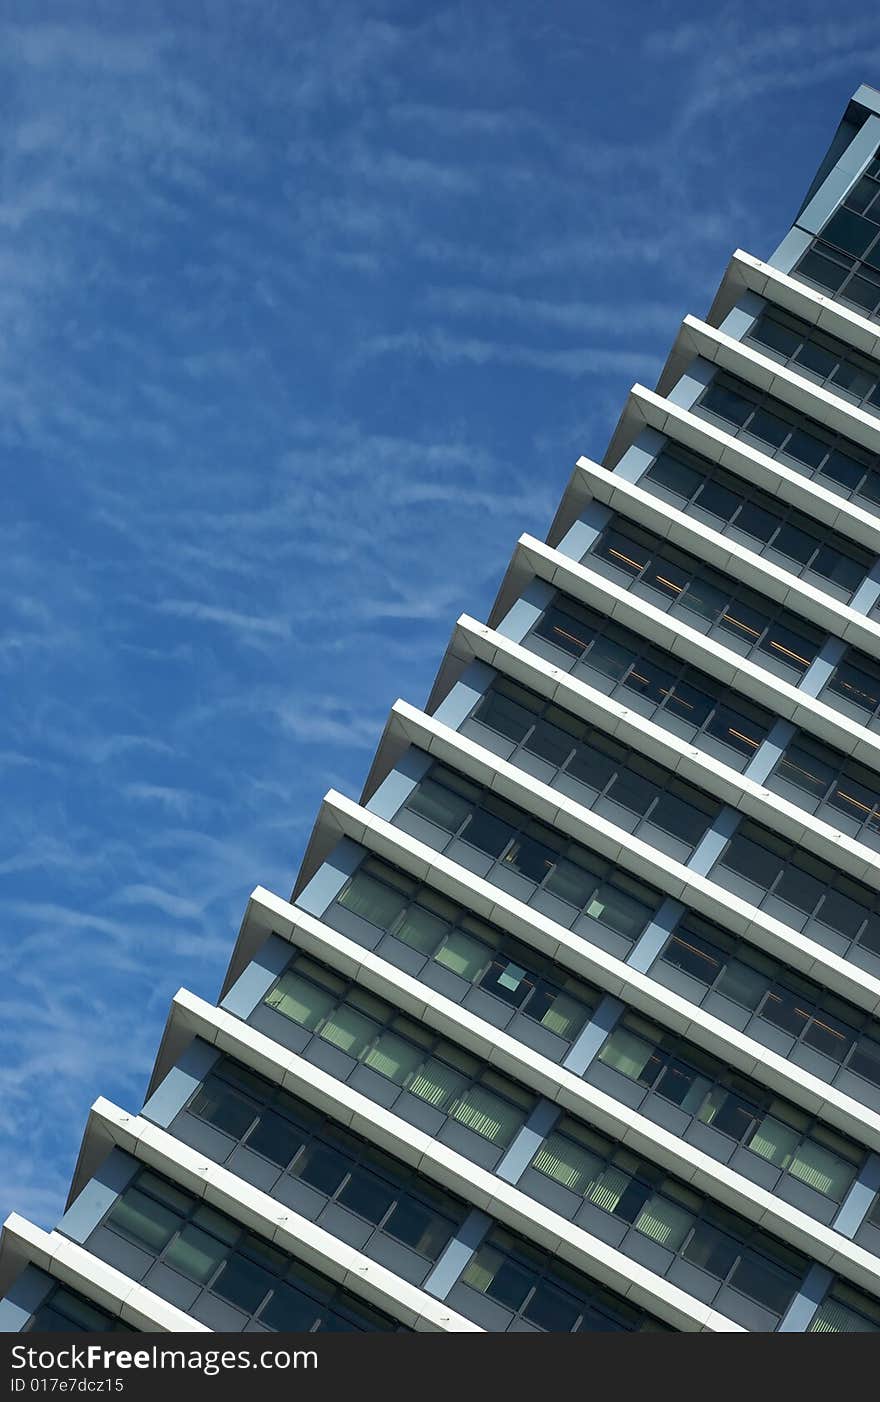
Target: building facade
571 1023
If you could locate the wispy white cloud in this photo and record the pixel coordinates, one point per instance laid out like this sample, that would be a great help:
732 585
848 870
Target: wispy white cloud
438 346
326 720
179 801
611 318
184 907
248 625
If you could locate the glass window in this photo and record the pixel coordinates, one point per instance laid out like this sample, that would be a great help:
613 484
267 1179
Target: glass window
404 1059
196 1254
678 691
783 432
143 1220
300 1000
348 1030
722 1243
503 710
810 886
558 865
418 1228
63 1311
731 1104
482 954
393 1057
229 1262
606 768
857 680
487 1115
374 900
276 1139
630 1054
439 805
845 1311
224 1108
718 599
367 1196
821 1169
730 1108
344 1166
541 1289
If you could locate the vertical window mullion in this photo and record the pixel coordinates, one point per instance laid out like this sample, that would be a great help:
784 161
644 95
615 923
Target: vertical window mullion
399 919
853 1048
765 998
765 631
174 1237
632 667
485 967
771 890
346 1179
832 786
254 1314
677 599
737 513
646 816
664 1058
529 733
708 721
392 1208
221 1265
299 1154
612 779
858 935
808 1021
373 1042
725 1280
691 1232
575 750
721 968
520 1313
258 1115
502 855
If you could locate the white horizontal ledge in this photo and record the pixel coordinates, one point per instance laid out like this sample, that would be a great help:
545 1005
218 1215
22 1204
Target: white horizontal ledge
664 520
532 557
745 272
796 488
647 738
292 1233
72 1265
577 1097
477 1186
269 914
597 833
784 383
576 953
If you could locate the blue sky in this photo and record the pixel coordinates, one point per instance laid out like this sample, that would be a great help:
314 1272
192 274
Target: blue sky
307 312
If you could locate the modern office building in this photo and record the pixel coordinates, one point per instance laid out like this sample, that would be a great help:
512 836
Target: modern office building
571 1022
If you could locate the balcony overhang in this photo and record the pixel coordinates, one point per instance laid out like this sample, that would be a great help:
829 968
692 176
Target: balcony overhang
745 273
